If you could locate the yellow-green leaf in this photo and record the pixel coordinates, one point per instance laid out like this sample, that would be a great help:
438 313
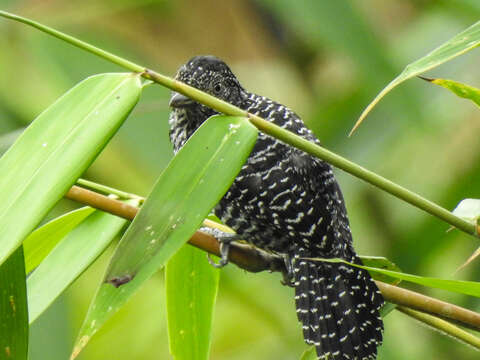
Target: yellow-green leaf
194 181
69 259
458 45
191 290
381 263
55 150
459 89
309 354
40 242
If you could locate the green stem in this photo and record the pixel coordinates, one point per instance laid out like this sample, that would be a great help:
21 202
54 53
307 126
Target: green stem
267 127
107 190
443 326
364 174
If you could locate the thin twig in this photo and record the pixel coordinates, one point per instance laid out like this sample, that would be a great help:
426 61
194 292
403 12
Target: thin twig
102 202
255 260
442 326
244 256
104 189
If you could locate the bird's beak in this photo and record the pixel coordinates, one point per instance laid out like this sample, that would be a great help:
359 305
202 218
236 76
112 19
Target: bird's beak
179 101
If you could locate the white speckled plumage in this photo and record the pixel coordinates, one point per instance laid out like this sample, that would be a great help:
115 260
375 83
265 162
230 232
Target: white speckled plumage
289 202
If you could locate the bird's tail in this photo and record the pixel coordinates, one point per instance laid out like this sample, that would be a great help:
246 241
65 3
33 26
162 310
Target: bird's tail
338 306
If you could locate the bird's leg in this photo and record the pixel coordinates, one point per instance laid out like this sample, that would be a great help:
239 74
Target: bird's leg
224 239
288 273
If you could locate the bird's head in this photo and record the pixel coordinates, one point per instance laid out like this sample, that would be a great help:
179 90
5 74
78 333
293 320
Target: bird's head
211 75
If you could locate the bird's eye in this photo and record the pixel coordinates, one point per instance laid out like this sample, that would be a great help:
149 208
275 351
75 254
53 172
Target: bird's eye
217 88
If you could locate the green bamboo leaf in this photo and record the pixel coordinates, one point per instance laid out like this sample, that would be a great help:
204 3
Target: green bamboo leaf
194 181
459 89
381 263
56 148
387 308
69 259
191 290
309 354
13 308
459 286
184 193
458 45
40 242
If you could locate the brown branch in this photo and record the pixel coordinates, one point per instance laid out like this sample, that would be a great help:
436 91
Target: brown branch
102 202
244 256
444 310
255 260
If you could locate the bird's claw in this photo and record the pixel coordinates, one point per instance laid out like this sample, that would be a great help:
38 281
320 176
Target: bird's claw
288 273
224 250
225 239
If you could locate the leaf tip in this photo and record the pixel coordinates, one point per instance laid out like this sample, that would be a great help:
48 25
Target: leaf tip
79 346
357 124
425 78
364 113
370 106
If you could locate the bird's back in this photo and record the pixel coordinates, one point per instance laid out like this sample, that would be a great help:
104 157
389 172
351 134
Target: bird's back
284 197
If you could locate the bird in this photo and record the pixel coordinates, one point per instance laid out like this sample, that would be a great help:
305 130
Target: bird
289 203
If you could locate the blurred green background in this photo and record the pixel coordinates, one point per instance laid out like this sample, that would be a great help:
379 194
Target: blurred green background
324 59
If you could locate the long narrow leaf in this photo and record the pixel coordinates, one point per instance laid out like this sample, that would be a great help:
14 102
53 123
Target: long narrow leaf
40 242
381 263
459 286
458 45
186 191
13 308
69 259
309 354
191 289
56 148
459 89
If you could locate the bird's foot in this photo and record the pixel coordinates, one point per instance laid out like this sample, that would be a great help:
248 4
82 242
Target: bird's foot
288 273
225 239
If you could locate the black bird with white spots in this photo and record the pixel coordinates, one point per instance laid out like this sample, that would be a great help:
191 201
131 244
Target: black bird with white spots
288 202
